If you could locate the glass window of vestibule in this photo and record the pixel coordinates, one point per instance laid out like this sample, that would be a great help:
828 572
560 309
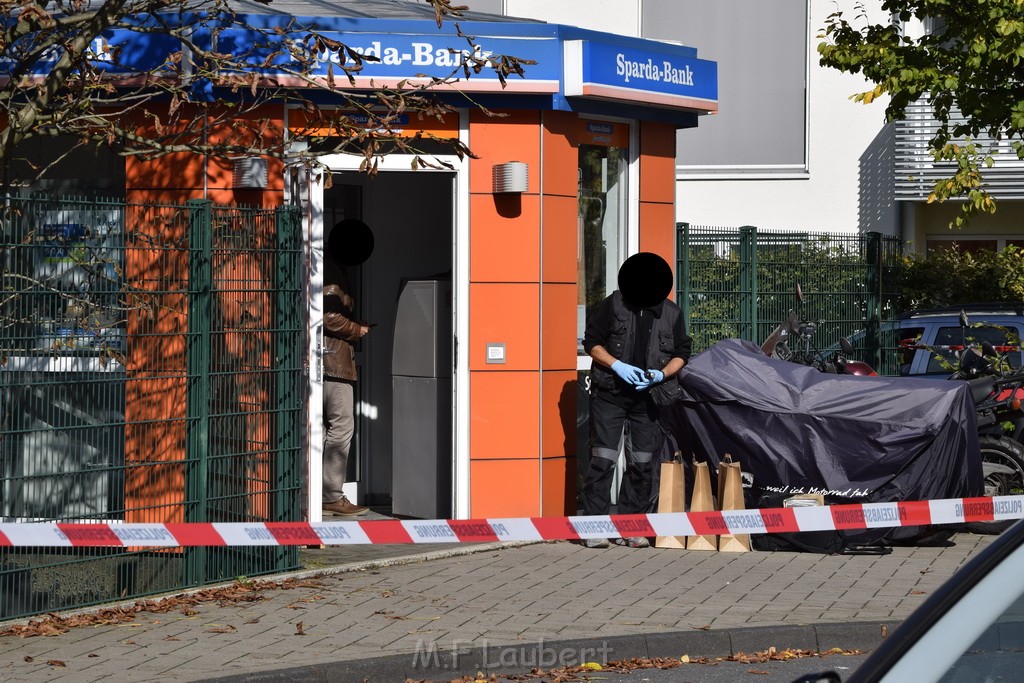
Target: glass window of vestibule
602 216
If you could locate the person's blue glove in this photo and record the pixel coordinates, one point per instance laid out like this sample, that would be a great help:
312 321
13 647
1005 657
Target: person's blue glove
630 374
651 377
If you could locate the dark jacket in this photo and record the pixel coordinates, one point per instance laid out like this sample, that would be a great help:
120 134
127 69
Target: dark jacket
668 340
340 327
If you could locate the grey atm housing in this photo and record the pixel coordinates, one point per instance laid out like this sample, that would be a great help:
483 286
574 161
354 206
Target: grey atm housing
421 369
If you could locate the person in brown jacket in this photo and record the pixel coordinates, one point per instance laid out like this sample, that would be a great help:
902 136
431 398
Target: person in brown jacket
350 243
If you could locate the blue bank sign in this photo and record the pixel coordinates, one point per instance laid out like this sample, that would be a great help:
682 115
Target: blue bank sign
660 77
562 62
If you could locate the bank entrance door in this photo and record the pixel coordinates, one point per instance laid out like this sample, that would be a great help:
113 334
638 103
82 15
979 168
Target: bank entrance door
403 453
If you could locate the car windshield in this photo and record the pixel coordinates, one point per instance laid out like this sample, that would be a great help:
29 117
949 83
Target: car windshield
997 655
949 340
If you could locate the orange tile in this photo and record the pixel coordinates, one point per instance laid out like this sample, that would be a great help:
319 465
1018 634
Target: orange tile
560 238
561 156
558 413
161 196
173 171
504 418
657 162
658 232
504 242
504 313
559 487
504 488
497 140
559 327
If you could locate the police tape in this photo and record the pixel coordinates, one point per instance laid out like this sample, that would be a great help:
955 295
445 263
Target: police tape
394 531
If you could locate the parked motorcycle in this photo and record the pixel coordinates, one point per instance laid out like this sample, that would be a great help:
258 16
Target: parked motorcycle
998 393
793 341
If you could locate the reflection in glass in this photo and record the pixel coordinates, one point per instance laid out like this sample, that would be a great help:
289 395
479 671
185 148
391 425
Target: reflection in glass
601 226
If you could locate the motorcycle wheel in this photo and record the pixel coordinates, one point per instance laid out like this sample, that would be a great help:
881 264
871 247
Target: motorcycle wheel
1003 450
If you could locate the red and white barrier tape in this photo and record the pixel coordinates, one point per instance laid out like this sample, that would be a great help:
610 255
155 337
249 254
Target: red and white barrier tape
768 520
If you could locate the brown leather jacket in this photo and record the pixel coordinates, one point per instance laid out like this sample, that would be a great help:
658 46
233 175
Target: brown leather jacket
340 328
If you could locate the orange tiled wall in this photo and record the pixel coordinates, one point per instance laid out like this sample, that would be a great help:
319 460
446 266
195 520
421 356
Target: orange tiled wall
523 293
657 190
155 391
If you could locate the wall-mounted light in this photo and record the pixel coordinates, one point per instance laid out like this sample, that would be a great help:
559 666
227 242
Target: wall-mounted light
510 177
250 173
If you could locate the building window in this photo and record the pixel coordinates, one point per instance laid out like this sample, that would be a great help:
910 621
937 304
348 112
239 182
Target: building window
974 244
761 49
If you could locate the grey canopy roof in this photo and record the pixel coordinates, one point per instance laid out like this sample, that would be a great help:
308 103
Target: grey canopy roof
359 9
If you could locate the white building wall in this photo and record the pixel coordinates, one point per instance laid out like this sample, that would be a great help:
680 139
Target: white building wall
849 146
613 16
849 159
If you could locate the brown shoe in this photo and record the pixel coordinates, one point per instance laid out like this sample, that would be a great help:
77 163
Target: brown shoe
345 508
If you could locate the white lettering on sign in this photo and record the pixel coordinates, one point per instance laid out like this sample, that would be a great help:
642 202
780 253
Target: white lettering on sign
422 54
650 71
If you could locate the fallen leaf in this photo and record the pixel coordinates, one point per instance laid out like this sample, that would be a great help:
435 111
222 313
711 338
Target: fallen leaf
591 666
54 624
29 659
918 593
757 671
55 662
298 629
255 620
705 627
885 630
222 629
685 659
93 654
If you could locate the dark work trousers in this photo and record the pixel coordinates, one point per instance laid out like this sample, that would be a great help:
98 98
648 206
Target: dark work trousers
615 420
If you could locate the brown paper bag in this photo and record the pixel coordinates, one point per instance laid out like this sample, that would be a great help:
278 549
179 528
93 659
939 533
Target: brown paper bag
730 497
701 502
672 498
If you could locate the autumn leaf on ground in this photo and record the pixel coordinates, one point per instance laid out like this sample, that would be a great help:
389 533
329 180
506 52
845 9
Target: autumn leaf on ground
222 629
54 624
299 631
55 662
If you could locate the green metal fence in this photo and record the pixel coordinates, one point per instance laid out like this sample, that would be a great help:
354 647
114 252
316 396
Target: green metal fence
741 282
150 369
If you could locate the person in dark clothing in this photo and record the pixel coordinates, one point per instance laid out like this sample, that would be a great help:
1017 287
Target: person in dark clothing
637 339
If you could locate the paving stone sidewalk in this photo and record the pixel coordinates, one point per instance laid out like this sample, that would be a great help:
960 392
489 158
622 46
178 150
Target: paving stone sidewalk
390 609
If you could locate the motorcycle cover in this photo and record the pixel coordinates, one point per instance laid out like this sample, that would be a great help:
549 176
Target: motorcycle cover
852 439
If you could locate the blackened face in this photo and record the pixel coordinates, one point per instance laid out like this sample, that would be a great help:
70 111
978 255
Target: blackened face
350 243
645 279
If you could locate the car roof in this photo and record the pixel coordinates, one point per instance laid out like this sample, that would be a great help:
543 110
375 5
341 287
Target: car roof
987 309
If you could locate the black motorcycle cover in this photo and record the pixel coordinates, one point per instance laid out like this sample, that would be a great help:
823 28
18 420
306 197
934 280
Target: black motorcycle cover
852 439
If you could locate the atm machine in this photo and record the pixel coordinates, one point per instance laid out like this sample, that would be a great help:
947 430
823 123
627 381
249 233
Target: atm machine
421 375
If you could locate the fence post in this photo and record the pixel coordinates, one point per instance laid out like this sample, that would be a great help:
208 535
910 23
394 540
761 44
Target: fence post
872 345
197 395
683 270
288 337
748 282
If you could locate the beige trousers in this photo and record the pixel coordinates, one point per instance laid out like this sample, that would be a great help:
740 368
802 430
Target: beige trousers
339 426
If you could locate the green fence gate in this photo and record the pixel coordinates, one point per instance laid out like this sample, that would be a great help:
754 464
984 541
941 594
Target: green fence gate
150 371
741 283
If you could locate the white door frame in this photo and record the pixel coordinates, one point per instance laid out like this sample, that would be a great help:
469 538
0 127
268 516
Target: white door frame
460 324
